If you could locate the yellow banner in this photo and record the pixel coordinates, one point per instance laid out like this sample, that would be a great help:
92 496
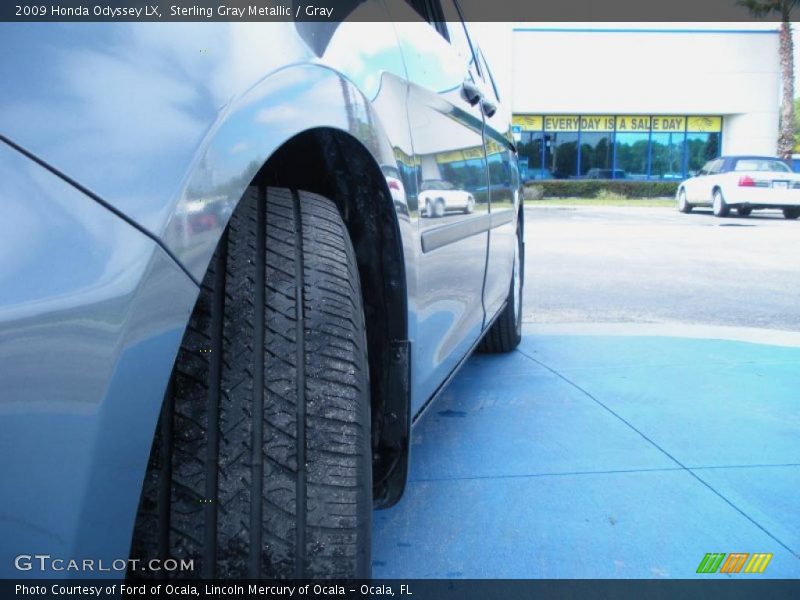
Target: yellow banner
561 123
633 123
623 123
459 155
668 124
528 122
597 123
402 157
493 147
470 153
708 124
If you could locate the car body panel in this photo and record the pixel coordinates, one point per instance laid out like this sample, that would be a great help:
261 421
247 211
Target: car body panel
447 133
155 124
91 315
147 138
504 186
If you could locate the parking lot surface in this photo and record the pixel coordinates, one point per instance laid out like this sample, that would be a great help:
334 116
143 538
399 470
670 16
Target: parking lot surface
656 265
628 436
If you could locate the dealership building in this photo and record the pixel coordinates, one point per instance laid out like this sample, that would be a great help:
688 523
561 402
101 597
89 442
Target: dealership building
651 102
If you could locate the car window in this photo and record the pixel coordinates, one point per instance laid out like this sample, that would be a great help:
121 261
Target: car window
431 11
446 20
715 167
761 164
436 184
459 37
487 73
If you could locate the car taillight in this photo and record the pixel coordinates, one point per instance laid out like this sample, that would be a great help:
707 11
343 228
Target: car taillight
394 185
747 181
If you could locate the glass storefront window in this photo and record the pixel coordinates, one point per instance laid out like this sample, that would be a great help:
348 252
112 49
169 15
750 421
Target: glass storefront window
700 148
596 155
666 155
616 147
632 155
561 155
530 154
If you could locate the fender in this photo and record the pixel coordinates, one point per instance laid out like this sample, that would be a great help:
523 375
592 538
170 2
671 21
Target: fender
169 130
287 103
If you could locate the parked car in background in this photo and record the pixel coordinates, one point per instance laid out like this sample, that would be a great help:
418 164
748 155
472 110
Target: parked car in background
438 197
219 309
605 174
394 181
538 175
743 183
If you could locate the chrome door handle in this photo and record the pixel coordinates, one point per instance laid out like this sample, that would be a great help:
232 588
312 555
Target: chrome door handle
472 93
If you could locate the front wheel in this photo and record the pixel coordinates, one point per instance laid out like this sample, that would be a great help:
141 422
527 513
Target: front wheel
505 333
683 205
261 465
470 206
721 208
791 213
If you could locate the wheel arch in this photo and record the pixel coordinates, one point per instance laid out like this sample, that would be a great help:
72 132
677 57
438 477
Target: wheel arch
337 152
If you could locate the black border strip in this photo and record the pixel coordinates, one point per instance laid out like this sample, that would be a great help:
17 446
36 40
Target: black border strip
332 11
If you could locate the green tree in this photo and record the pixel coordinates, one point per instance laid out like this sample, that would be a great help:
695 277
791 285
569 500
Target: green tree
783 8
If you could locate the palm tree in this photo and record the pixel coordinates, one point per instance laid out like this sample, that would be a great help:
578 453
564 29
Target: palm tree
763 8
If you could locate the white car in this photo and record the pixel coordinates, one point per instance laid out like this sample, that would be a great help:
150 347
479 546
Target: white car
437 196
745 183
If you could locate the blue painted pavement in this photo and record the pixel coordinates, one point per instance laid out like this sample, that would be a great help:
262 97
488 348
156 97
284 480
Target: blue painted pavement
599 456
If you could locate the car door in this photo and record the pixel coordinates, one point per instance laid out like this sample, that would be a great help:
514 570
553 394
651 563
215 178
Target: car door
691 185
503 193
702 190
447 134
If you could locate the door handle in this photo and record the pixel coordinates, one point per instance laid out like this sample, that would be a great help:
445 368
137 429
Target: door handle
472 93
489 108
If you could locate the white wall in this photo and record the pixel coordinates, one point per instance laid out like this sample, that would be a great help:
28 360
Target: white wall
750 133
660 71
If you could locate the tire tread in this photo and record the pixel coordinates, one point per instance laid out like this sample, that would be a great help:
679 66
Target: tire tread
261 464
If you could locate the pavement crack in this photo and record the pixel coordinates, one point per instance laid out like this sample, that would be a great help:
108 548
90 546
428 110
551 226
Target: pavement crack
532 475
603 472
659 448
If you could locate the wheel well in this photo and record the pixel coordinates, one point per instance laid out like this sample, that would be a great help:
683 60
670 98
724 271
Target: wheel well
336 165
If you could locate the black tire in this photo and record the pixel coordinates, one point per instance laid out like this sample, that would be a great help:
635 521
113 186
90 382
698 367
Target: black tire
719 206
261 465
744 211
683 204
791 213
505 333
438 208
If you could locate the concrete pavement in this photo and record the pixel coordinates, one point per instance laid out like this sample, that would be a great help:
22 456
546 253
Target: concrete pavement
596 456
650 416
